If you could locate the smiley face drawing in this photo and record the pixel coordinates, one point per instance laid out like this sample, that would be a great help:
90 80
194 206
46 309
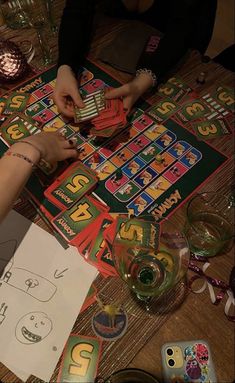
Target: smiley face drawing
33 327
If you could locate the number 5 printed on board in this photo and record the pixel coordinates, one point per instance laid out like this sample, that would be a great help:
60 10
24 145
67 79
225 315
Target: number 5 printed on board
80 359
69 187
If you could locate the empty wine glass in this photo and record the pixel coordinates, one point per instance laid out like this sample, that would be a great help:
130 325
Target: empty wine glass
36 16
151 258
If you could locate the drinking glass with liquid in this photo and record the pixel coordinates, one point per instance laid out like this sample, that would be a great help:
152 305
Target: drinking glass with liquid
149 257
13 14
209 226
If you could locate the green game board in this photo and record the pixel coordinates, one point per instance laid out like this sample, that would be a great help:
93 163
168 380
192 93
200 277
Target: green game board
147 185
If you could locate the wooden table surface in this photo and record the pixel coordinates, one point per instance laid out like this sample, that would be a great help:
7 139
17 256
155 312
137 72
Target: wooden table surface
197 318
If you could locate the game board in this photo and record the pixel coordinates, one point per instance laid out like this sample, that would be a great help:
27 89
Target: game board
147 185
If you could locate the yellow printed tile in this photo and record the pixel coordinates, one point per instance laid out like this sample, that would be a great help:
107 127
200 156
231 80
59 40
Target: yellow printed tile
105 170
158 187
155 131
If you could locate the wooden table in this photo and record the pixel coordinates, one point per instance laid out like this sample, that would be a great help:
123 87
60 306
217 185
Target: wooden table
197 318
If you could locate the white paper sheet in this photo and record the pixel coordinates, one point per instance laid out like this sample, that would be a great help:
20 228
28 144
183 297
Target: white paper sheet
42 290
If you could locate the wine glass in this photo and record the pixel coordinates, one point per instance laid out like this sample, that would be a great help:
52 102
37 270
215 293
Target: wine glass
50 15
13 14
209 225
150 257
36 16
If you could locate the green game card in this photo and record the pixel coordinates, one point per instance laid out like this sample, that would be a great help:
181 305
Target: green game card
177 81
16 102
13 130
206 130
163 109
140 233
171 90
72 221
73 187
225 97
99 239
80 359
193 110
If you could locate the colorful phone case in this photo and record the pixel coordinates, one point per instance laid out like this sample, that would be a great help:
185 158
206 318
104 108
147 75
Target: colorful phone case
189 362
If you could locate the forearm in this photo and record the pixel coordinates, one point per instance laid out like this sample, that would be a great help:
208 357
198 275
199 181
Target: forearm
14 173
75 32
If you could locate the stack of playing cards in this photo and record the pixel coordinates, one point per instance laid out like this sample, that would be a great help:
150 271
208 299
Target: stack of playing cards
106 116
110 119
75 182
94 103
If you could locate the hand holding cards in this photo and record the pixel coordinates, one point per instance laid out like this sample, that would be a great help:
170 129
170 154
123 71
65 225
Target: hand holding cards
105 116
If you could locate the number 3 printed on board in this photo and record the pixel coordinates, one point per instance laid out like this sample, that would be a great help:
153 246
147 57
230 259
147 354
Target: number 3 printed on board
80 359
207 129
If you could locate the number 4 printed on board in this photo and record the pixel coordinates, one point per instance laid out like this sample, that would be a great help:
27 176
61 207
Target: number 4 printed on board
72 221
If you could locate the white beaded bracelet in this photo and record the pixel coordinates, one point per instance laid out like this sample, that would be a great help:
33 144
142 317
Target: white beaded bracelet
149 72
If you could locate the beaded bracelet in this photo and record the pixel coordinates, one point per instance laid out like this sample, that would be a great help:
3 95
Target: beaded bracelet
30 143
22 156
149 72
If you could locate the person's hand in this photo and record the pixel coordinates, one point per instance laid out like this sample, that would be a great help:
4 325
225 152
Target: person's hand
66 92
131 91
53 146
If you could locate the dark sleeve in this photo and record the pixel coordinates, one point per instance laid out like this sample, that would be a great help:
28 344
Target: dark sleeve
75 32
178 36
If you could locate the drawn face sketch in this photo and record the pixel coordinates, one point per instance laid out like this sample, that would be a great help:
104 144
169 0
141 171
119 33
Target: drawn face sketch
33 327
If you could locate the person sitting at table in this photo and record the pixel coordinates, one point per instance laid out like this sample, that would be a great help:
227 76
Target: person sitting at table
19 160
185 24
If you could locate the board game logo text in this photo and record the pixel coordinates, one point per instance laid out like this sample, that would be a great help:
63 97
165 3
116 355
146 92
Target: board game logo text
65 226
158 210
33 84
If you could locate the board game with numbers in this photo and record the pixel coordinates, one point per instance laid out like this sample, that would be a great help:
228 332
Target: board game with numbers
161 161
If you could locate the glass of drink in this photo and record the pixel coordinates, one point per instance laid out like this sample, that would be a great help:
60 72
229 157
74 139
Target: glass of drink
36 16
149 257
49 5
14 14
209 226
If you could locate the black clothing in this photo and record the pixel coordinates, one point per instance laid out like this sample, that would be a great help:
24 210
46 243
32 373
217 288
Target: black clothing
226 58
185 24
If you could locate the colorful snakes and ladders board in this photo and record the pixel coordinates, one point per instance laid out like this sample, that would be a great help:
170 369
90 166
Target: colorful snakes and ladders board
147 185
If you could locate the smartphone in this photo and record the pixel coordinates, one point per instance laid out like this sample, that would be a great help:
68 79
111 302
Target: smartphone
189 361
